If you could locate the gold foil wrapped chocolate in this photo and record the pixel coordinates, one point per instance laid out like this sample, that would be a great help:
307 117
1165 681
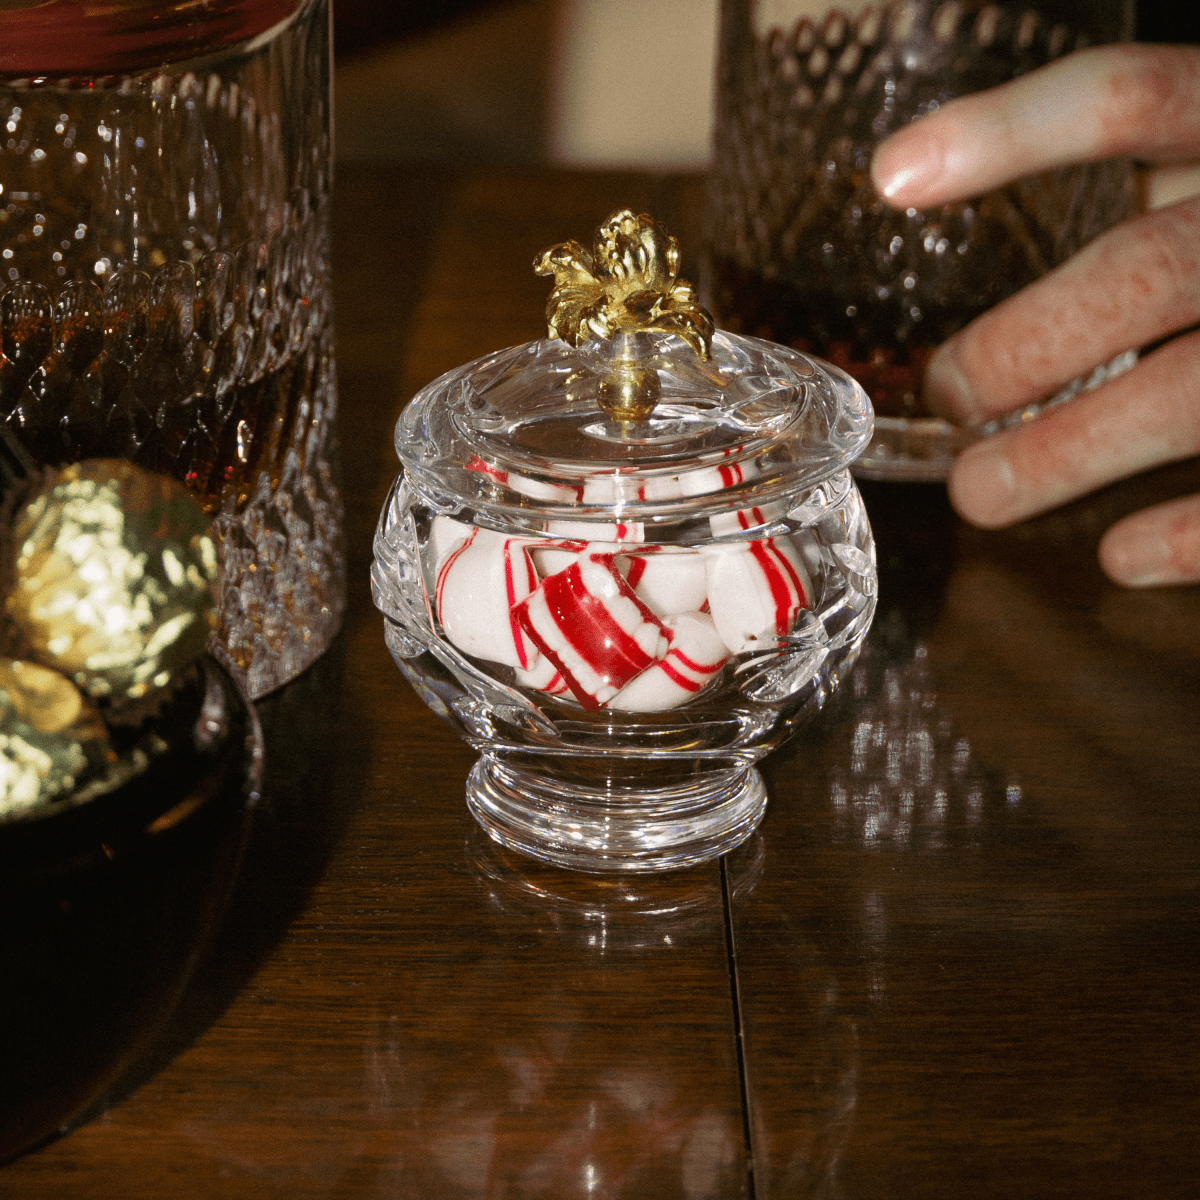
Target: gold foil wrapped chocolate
51 739
113 578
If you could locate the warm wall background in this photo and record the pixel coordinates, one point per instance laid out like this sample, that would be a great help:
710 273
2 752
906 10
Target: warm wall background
587 82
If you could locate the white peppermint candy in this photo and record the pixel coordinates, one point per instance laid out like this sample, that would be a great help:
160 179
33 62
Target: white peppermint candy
589 623
478 585
445 534
723 524
755 591
544 677
539 489
697 653
667 579
597 531
660 487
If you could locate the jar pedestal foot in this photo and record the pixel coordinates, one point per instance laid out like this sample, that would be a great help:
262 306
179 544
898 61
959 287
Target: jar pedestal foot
616 827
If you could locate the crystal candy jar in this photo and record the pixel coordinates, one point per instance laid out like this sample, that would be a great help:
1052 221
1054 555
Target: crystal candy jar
624 608
164 281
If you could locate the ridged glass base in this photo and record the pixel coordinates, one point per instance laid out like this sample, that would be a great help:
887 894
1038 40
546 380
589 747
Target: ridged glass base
612 829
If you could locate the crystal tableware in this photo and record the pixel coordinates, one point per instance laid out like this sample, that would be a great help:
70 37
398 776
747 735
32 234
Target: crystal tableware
801 249
165 282
625 561
109 899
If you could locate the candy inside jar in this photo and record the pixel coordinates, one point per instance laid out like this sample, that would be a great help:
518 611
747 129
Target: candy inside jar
626 569
627 625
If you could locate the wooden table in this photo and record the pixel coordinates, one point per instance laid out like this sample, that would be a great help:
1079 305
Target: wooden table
959 959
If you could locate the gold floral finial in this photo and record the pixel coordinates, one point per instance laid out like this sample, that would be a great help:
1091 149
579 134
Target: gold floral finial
628 283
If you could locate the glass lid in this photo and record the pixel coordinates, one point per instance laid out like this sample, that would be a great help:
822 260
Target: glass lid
633 406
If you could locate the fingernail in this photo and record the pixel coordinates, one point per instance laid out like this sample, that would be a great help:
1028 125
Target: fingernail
947 392
1139 560
904 164
983 487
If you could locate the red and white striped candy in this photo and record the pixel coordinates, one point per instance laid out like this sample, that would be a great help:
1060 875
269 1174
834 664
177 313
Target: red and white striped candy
598 531
544 677
553 555
697 653
589 623
478 585
667 579
614 489
485 468
539 489
705 480
755 590
723 524
536 489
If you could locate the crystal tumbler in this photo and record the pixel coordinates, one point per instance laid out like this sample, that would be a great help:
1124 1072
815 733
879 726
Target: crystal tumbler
626 561
800 249
165 286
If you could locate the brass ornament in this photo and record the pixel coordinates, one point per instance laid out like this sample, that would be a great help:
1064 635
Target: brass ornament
51 739
630 390
628 284
113 579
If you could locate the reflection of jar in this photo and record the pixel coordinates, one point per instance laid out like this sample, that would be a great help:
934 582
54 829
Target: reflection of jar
625 612
548 1059
615 913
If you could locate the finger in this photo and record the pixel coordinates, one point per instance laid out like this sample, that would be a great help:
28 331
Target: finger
1156 546
1098 103
1170 184
1130 286
1149 415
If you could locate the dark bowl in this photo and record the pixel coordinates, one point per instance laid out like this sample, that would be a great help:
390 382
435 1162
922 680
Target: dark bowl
105 907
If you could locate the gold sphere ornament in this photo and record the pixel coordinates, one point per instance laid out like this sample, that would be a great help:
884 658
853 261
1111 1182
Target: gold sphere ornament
113 578
51 739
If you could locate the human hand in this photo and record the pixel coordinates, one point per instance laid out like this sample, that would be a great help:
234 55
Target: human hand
1133 285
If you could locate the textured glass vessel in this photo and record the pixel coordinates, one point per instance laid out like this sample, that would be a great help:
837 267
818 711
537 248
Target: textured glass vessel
164 282
623 616
800 249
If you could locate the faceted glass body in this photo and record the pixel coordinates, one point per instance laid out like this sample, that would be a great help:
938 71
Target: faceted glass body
164 283
801 249
624 618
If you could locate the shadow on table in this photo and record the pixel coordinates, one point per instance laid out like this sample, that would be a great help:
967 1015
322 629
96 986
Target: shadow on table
308 797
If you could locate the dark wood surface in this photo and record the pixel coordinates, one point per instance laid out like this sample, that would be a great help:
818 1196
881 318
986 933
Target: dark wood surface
958 959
